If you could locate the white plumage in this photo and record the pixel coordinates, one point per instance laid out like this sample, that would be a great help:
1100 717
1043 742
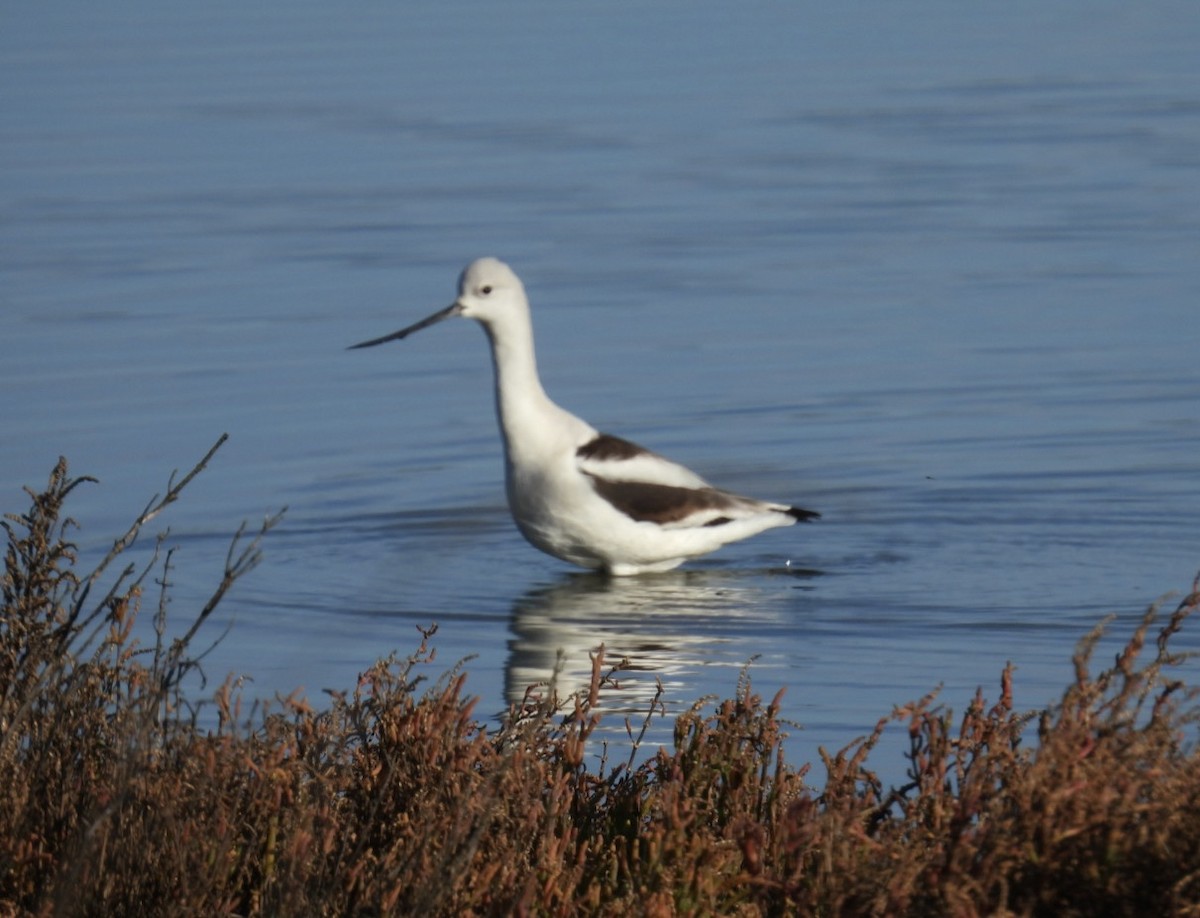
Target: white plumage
589 498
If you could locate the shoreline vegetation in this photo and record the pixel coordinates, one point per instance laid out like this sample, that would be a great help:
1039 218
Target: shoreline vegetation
393 799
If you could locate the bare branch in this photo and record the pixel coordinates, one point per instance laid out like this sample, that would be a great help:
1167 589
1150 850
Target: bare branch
153 509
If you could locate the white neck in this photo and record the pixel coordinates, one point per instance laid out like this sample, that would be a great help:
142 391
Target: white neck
525 412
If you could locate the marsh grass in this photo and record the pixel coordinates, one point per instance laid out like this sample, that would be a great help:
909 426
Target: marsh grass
393 799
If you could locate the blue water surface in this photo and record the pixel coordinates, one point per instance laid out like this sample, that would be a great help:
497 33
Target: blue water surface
933 271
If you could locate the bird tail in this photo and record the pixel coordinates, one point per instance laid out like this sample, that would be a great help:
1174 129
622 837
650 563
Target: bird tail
804 516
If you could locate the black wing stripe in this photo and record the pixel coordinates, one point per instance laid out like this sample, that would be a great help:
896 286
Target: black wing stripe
655 503
607 447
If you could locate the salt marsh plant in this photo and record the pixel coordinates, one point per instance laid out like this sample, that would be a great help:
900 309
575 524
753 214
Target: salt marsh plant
117 798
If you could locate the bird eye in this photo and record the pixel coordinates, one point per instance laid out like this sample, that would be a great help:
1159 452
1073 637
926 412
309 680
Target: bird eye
486 289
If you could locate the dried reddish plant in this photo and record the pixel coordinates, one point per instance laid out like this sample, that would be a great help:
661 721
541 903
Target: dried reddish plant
395 800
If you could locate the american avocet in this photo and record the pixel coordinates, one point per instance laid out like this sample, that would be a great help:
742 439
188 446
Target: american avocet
583 496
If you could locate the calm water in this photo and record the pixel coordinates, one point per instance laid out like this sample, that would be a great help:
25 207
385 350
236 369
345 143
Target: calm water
936 276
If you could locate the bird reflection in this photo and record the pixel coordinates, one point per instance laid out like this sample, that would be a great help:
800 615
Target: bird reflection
666 627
